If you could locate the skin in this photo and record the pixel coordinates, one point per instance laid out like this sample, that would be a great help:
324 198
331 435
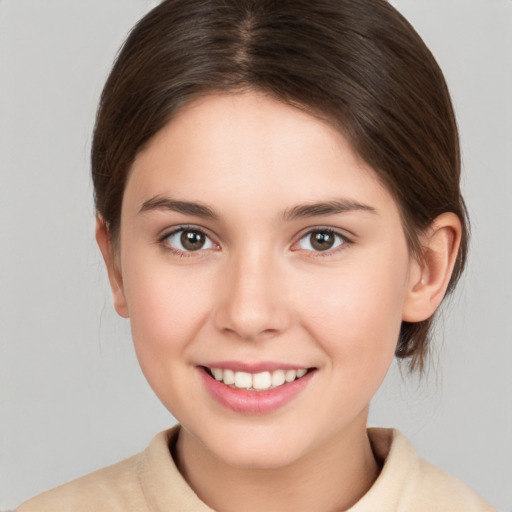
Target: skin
259 291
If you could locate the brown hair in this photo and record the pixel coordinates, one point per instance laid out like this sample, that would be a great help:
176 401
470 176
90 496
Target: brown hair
357 63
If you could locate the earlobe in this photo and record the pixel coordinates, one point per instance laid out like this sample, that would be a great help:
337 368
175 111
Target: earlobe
105 244
430 275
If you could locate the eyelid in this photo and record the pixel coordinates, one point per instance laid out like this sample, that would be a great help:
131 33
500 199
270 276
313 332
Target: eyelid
168 232
347 241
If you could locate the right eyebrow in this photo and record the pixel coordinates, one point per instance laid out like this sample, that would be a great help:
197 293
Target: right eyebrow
185 207
326 208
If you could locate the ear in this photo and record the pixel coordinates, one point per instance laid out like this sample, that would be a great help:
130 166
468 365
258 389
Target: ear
431 273
112 263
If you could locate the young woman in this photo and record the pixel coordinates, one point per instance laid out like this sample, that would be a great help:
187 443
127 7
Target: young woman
278 207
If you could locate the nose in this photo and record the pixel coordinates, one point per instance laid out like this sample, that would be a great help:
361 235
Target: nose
252 301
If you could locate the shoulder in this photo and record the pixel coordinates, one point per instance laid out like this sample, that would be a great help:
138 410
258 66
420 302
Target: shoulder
125 486
112 488
408 483
148 481
433 486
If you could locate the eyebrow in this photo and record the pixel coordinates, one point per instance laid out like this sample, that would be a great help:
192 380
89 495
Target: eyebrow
297 212
185 207
325 208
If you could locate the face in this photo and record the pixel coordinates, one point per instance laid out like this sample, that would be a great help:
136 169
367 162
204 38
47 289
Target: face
265 271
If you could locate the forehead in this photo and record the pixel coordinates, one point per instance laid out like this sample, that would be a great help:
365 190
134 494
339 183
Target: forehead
253 146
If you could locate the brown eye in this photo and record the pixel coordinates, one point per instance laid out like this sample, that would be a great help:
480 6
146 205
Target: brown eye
321 240
188 240
192 240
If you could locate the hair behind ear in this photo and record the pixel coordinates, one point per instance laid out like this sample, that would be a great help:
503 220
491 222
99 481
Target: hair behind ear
428 286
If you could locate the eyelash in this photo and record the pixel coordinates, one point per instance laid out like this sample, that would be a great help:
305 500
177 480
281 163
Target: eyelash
183 253
342 241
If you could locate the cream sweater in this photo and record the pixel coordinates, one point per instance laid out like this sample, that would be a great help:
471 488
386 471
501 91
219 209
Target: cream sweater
150 482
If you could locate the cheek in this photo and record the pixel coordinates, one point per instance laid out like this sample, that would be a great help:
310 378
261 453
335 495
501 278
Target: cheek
166 309
357 315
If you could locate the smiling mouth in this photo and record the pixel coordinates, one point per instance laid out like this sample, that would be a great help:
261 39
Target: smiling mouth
262 381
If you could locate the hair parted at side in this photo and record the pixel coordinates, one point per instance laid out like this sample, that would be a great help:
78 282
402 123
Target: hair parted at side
356 63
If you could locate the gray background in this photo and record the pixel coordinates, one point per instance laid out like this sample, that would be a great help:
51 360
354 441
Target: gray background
72 398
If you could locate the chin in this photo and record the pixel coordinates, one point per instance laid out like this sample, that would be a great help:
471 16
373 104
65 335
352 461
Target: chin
263 459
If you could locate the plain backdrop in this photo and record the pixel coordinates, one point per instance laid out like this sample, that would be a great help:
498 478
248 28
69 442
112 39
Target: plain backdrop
72 398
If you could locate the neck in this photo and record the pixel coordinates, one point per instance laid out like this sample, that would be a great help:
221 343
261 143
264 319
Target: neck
332 478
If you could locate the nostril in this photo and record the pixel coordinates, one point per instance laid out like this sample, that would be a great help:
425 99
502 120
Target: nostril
243 333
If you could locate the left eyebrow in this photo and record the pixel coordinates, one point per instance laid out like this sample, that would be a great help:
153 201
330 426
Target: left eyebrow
185 207
325 208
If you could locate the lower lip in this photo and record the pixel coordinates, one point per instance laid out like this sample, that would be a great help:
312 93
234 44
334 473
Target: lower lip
254 402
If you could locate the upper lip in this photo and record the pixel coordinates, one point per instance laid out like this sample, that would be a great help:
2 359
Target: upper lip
254 367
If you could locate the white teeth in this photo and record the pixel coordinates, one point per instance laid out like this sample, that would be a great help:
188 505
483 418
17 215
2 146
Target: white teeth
290 375
229 377
243 380
278 378
257 381
261 380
